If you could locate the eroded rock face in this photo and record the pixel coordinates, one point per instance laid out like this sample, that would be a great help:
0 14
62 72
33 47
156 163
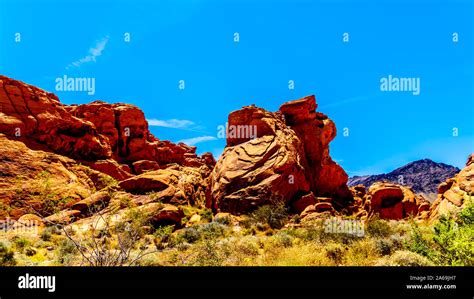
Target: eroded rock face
279 156
126 131
392 201
34 114
316 131
178 185
455 193
37 180
90 132
76 148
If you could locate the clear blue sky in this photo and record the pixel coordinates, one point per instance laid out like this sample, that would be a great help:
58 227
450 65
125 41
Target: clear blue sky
280 40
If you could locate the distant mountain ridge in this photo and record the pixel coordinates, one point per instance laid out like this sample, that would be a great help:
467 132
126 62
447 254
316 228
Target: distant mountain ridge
423 176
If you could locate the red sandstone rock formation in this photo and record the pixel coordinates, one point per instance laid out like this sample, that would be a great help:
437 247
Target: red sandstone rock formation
455 193
36 115
108 137
281 156
392 201
270 157
59 141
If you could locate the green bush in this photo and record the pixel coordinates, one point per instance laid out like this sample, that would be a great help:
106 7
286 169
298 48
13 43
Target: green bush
383 246
408 258
21 243
378 228
7 256
163 232
67 247
282 239
335 252
419 244
276 216
466 216
206 214
190 235
455 240
212 230
312 233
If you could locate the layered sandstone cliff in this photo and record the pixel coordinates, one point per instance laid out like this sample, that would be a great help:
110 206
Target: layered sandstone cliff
78 157
286 159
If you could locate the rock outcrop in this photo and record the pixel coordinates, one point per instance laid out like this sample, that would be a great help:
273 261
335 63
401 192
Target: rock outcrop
36 115
36 180
97 133
80 159
69 152
455 193
423 176
126 130
277 157
390 201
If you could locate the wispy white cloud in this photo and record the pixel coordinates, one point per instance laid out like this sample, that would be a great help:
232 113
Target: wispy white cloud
94 52
196 140
170 123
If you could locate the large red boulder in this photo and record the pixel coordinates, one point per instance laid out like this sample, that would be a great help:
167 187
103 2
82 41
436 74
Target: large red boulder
277 157
393 201
455 193
36 115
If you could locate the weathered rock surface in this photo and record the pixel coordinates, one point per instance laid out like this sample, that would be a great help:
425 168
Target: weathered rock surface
391 201
34 114
423 176
182 185
69 152
126 131
69 155
455 193
38 180
90 132
279 156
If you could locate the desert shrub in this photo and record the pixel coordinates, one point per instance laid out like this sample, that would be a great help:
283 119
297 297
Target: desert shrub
48 232
223 220
311 233
361 252
7 256
66 246
282 239
21 243
408 258
378 228
67 251
106 181
208 231
212 230
455 239
189 235
383 246
417 243
335 252
208 254
164 231
206 214
396 241
163 236
45 235
247 247
342 238
276 216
